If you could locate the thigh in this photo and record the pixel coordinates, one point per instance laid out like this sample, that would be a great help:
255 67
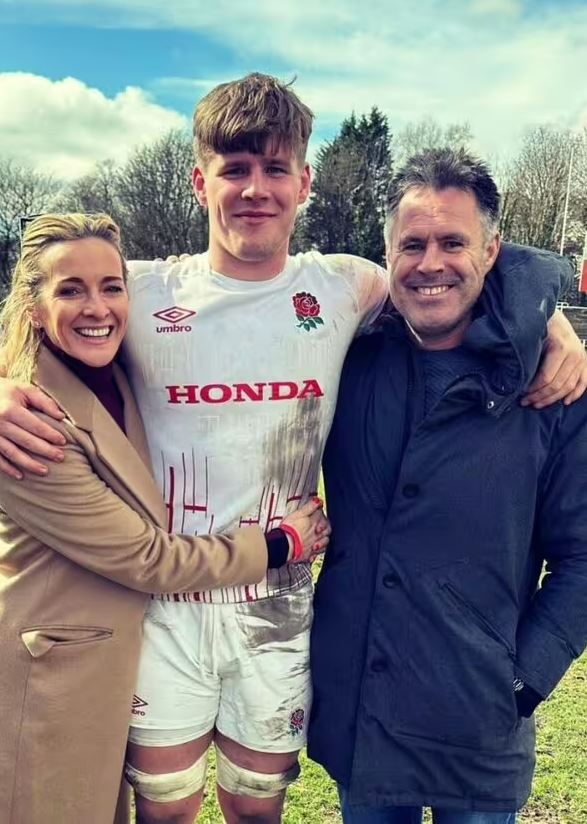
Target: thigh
265 701
167 759
362 814
177 695
466 817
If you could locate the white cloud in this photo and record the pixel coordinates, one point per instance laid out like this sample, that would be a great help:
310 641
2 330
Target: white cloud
501 65
65 127
499 76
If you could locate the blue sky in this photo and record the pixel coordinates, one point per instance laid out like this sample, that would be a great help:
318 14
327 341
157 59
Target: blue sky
82 81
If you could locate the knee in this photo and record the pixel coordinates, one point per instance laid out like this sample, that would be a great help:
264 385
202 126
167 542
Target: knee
251 797
168 798
242 782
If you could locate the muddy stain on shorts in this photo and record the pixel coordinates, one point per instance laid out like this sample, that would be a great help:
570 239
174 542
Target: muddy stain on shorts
275 621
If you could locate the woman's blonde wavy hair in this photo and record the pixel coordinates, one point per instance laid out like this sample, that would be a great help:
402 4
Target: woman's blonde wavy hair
19 339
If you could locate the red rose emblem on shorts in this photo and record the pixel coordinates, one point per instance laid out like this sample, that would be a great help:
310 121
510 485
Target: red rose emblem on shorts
307 311
296 722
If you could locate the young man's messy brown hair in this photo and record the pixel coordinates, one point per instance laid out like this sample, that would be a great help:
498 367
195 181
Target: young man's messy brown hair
254 114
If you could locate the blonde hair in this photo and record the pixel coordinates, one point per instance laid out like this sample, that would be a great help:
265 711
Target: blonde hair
20 339
251 114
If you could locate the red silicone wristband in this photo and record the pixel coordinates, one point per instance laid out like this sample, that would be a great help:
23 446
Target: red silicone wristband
298 549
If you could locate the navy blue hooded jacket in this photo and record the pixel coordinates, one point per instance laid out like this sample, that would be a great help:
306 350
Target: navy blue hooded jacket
427 605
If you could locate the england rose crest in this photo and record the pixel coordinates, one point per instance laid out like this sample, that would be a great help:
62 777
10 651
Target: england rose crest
307 311
296 722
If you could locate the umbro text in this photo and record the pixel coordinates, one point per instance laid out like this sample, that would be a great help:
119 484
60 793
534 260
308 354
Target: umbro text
174 328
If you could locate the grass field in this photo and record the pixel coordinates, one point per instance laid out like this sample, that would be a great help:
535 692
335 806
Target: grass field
560 787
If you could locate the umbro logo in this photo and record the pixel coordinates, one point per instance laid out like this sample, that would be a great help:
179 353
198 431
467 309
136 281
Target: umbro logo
174 317
137 705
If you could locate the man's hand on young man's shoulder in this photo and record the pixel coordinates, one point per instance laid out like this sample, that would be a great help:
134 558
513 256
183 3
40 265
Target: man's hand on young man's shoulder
563 373
23 433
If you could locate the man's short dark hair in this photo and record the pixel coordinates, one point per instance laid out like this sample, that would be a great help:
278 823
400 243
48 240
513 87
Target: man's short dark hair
443 168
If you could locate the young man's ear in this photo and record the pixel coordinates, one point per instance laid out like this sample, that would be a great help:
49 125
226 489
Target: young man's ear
306 184
199 186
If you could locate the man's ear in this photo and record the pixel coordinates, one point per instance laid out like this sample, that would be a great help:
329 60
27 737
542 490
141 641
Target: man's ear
306 184
492 251
199 187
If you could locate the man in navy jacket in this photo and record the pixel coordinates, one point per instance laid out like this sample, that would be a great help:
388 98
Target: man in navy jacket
434 638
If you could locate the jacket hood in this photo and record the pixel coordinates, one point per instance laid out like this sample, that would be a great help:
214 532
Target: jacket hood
518 298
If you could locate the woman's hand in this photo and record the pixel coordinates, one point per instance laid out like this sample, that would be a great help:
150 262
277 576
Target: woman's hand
312 528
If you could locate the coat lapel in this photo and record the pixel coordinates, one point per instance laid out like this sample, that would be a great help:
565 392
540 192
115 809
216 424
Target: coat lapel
126 457
135 431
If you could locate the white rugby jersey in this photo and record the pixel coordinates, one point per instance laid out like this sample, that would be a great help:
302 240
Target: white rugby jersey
237 382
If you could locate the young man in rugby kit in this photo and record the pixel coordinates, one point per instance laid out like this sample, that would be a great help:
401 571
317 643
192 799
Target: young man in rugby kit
235 356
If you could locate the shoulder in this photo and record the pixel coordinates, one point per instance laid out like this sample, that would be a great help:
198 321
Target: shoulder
49 494
364 281
345 266
514 254
73 434
515 258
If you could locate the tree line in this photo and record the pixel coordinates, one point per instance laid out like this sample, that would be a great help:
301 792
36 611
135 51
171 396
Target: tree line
151 199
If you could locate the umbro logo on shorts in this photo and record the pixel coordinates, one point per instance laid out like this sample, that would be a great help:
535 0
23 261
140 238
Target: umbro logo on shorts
174 317
137 705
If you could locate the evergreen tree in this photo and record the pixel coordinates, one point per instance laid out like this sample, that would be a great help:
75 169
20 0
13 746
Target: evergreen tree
352 172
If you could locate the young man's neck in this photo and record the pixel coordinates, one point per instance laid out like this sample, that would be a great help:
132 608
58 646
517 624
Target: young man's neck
250 270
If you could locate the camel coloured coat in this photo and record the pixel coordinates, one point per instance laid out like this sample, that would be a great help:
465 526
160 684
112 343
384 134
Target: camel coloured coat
80 551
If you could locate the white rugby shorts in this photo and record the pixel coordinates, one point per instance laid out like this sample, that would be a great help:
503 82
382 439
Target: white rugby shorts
241 668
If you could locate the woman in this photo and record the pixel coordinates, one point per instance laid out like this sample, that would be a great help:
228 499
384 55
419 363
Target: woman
81 549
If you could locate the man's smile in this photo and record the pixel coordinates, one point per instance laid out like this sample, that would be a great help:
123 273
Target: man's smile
430 291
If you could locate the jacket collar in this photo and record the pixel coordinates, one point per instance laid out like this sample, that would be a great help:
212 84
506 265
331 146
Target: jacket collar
72 395
130 462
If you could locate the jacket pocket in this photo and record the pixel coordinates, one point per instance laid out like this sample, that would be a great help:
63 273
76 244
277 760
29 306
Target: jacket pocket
456 683
477 617
40 640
